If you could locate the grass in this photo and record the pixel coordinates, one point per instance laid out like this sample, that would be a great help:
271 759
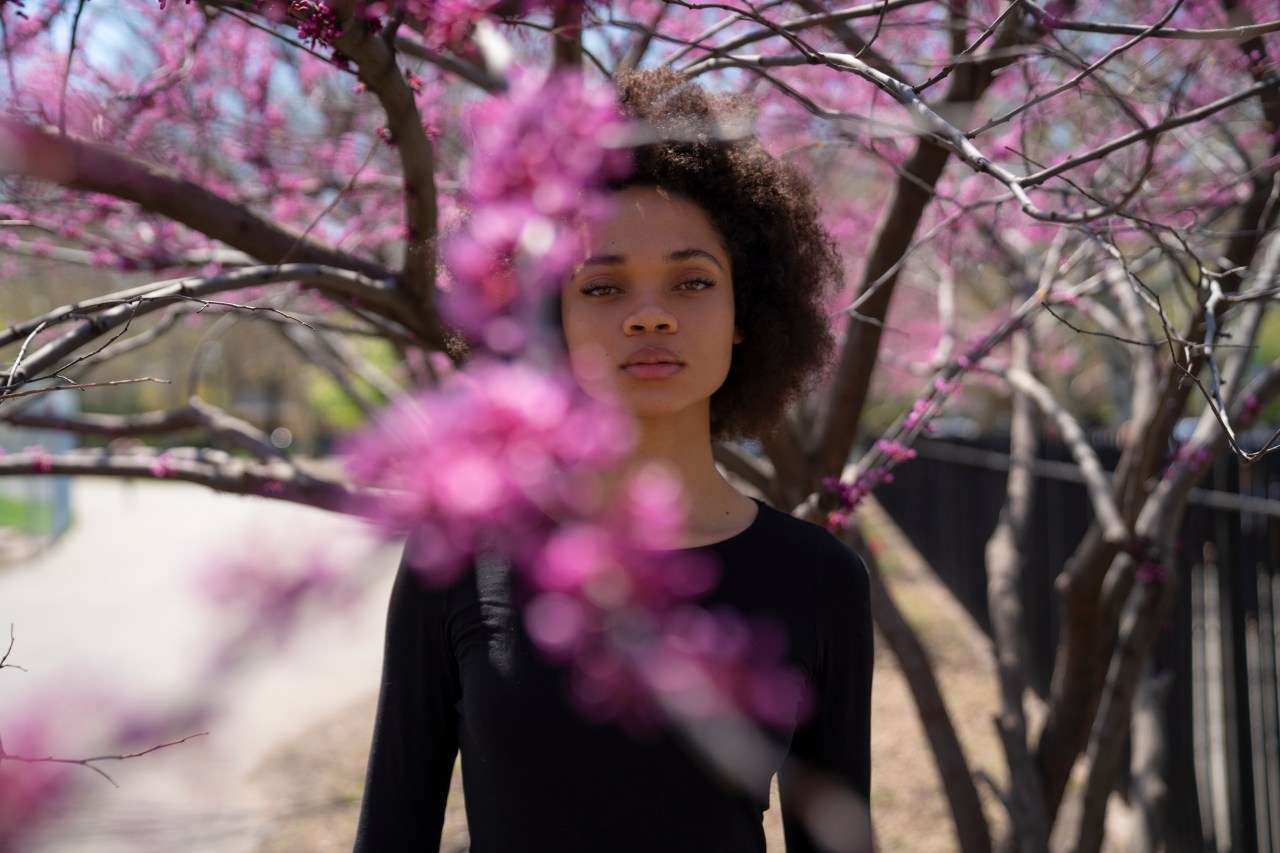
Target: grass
24 515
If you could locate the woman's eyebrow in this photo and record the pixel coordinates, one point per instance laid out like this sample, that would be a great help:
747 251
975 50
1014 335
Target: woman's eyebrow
604 261
693 252
678 255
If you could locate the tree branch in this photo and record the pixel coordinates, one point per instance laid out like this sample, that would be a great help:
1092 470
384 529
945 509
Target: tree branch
1097 483
154 297
375 58
220 471
824 19
89 762
1219 34
4 661
75 163
1006 559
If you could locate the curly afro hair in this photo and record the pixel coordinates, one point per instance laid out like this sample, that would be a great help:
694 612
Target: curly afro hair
784 263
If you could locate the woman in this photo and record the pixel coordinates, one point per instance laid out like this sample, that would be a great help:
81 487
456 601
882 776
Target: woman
699 308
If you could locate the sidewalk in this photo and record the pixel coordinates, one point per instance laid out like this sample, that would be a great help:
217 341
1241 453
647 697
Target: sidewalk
112 616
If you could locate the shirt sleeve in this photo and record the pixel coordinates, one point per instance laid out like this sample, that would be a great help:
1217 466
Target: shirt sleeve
415 737
825 782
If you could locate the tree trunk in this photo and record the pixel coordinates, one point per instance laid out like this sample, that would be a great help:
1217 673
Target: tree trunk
972 832
1148 791
1006 557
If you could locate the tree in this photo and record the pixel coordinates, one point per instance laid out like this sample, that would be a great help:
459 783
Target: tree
1092 176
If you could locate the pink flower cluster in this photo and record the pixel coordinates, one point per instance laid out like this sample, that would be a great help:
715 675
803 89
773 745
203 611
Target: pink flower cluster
947 387
919 414
163 466
849 496
540 155
895 451
510 463
1250 410
30 794
701 664
1187 458
271 594
317 23
496 451
1151 572
41 458
444 23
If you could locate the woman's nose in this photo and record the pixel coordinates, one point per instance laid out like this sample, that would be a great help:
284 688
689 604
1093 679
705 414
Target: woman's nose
650 316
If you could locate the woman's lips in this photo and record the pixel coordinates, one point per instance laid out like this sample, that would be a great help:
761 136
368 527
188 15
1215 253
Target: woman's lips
652 363
656 370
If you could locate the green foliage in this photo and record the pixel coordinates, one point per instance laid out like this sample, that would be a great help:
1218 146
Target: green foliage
334 411
24 515
332 408
1268 339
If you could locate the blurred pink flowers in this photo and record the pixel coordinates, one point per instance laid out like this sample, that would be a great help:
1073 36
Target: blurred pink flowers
30 793
510 462
541 154
497 451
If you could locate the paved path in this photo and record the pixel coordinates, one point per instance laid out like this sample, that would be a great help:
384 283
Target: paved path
112 615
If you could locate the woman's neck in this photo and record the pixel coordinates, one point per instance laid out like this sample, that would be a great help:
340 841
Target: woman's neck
714 510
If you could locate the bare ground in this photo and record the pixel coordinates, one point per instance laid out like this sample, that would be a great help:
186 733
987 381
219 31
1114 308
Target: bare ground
316 779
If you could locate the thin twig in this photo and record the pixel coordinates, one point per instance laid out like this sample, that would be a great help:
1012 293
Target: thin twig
1075 81
987 32
80 386
1234 34
4 661
88 762
66 74
22 351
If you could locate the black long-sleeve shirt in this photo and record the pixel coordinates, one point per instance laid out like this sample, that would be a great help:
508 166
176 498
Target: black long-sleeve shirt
460 673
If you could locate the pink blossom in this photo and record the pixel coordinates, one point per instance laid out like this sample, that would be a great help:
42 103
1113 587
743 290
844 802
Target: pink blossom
1187 458
1151 572
162 466
495 451
1250 410
947 387
30 794
41 459
501 464
269 592
540 155
895 451
919 414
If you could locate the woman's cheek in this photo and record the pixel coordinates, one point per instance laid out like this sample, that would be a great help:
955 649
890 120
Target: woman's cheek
590 365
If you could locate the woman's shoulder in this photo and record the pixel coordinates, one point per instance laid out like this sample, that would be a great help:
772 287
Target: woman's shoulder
782 529
807 570
781 544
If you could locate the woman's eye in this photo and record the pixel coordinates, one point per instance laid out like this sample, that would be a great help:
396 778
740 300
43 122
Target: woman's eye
695 284
599 289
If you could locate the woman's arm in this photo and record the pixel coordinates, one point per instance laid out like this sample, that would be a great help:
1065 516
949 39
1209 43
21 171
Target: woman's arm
825 783
415 738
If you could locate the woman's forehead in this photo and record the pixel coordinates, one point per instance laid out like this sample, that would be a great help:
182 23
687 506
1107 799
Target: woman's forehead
651 220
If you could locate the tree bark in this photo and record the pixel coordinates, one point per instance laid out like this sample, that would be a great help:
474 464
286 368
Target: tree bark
1150 605
1149 792
972 832
1006 558
78 164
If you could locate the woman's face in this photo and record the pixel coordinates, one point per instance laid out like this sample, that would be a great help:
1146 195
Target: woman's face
648 316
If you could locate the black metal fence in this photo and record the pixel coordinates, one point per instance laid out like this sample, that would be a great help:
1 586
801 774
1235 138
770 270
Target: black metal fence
1221 646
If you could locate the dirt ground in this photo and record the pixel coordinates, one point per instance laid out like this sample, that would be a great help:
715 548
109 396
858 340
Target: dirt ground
317 778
